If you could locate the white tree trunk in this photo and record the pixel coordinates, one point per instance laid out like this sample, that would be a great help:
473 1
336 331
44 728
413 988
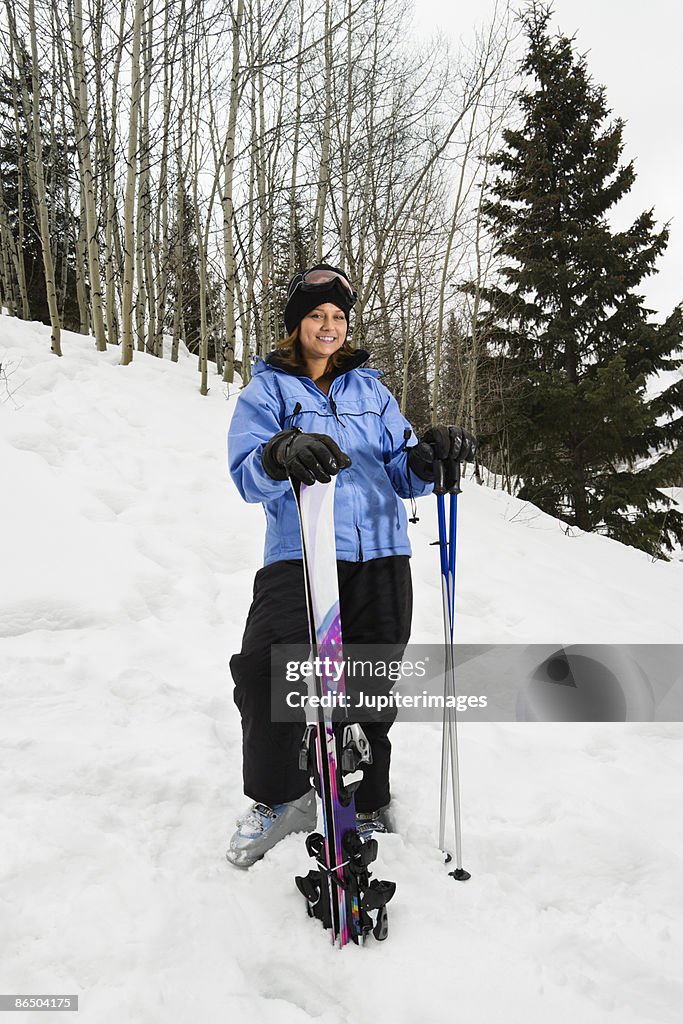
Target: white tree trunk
83 145
129 200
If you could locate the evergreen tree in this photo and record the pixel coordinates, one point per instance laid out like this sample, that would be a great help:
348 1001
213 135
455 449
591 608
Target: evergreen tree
58 156
574 341
281 270
184 283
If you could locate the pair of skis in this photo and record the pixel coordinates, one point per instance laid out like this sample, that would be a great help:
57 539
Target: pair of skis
338 891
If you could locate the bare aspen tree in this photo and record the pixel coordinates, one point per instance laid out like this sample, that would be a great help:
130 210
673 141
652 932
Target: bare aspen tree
32 114
244 317
84 145
140 304
183 156
250 256
201 253
146 204
62 228
277 184
484 260
272 130
487 113
10 257
171 40
21 220
95 18
109 134
324 168
80 252
366 177
142 233
178 256
344 229
200 87
144 307
261 169
254 218
445 269
81 257
296 130
227 200
55 174
68 235
412 329
129 201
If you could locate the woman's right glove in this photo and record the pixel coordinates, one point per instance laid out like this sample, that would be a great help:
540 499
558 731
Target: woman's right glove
304 457
448 445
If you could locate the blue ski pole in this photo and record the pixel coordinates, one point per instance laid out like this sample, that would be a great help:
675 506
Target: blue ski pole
449 735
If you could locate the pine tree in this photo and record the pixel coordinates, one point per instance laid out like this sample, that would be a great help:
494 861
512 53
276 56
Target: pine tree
19 201
184 283
575 343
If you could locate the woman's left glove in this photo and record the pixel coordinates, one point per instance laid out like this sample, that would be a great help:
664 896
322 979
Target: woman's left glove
449 445
304 457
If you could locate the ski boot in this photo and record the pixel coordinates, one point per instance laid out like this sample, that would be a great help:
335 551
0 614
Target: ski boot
369 823
262 827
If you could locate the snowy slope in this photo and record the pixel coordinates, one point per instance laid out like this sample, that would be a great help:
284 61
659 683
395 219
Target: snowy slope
126 572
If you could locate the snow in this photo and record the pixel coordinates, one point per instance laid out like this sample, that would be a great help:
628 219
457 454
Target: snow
663 379
126 574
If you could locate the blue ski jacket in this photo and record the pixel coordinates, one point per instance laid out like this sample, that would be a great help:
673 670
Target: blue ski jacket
363 417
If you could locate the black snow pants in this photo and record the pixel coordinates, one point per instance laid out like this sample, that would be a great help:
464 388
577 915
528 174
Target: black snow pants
376 604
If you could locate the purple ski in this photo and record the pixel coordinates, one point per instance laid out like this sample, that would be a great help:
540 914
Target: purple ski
339 892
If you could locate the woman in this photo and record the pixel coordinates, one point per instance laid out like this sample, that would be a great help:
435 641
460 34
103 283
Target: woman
313 410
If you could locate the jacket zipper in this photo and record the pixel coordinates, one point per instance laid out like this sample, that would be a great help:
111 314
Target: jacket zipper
333 407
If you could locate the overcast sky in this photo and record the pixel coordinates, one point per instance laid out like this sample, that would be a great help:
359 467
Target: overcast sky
634 50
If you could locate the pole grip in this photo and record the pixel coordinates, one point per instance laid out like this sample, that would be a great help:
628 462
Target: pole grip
455 487
439 478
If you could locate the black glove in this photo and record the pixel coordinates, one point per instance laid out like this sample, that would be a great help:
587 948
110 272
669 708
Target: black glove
304 457
449 445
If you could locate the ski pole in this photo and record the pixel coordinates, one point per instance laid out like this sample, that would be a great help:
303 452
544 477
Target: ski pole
449 734
445 607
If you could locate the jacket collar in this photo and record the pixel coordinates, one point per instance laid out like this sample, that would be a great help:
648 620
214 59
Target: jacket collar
354 360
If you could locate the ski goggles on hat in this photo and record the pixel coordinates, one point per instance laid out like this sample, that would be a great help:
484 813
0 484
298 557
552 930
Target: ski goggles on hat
321 280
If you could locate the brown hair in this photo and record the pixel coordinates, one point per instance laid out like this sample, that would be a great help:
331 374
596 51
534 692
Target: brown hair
292 357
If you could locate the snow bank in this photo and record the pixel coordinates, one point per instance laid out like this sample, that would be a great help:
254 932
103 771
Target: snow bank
126 574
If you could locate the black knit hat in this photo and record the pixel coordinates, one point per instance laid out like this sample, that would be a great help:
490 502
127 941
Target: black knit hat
302 296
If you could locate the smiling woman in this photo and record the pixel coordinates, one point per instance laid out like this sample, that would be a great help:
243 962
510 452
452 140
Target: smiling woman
322 333
319 301
313 410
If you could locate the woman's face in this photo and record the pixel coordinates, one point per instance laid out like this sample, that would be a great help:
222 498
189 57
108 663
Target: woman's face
322 332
